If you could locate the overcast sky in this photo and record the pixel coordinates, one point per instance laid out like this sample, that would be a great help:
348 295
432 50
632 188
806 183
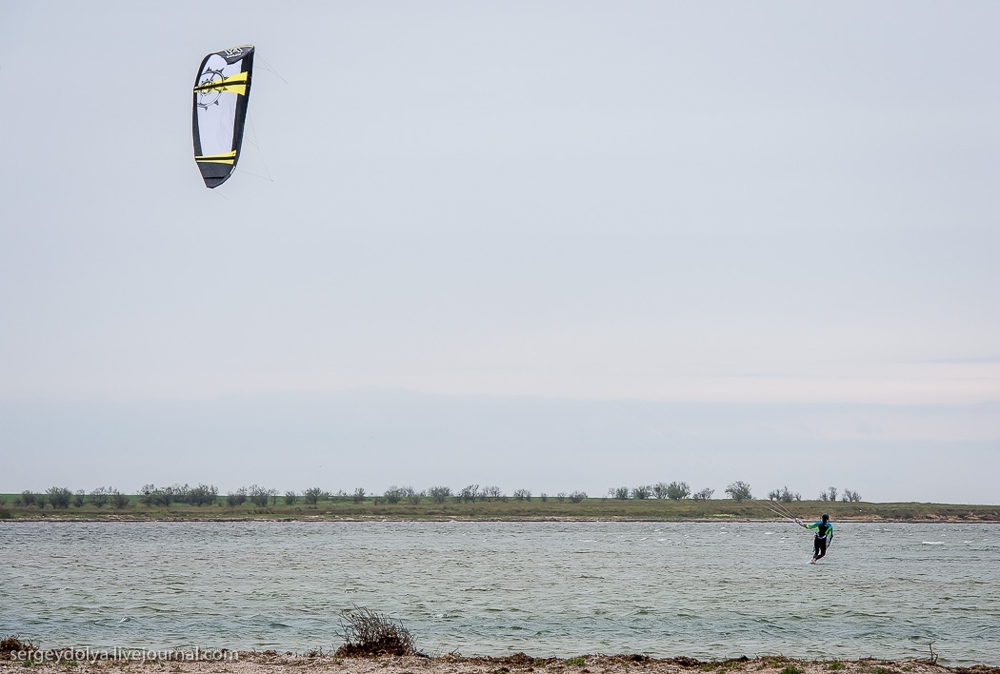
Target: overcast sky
546 245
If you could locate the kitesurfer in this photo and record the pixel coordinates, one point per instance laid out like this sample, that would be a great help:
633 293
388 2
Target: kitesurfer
824 534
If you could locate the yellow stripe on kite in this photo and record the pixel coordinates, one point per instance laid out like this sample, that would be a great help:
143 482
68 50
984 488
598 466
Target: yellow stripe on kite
235 83
224 158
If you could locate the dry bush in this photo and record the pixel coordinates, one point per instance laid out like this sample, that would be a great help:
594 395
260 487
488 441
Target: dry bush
367 633
12 644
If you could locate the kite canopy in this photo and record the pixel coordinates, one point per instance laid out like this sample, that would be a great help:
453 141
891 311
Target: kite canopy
221 95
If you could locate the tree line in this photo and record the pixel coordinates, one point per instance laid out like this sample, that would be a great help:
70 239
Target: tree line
205 495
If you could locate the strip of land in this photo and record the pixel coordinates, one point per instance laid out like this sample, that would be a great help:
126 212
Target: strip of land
270 662
506 509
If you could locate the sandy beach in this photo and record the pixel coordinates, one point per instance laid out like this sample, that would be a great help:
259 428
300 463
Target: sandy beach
270 662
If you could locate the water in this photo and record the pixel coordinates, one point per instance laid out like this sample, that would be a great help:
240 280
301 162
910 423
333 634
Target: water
704 590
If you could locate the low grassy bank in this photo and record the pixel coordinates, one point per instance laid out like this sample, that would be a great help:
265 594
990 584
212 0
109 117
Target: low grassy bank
507 509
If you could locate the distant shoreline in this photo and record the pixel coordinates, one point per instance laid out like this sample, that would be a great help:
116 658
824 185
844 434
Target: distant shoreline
503 509
128 518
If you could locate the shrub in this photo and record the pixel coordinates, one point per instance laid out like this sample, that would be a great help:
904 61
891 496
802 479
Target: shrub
739 491
99 497
12 644
577 496
791 669
368 634
642 492
203 494
151 495
311 495
291 497
394 494
236 498
119 500
59 497
359 495
439 494
78 499
258 495
783 495
179 492
678 490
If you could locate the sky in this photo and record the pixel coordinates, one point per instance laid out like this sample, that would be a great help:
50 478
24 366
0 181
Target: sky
547 245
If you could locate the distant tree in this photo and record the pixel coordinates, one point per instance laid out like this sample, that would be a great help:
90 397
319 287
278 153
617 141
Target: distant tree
40 501
234 499
832 492
783 495
59 497
620 493
704 495
739 491
291 497
28 498
259 495
179 492
203 494
99 497
119 501
660 490
78 498
523 494
469 493
311 495
151 495
359 495
439 494
642 492
491 493
823 496
678 490
411 495
577 496
851 496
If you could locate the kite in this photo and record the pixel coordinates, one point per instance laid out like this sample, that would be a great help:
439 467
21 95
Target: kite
221 96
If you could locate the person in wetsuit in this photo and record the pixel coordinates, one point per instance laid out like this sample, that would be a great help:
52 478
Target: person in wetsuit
824 534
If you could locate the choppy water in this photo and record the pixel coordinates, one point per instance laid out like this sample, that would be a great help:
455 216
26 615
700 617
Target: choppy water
704 590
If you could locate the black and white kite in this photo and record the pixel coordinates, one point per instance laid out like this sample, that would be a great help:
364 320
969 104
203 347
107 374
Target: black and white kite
221 95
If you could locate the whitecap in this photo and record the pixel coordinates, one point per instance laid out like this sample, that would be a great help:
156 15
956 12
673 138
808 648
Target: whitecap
932 542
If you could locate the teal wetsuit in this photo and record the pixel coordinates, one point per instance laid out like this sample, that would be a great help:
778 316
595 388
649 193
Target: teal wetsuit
824 534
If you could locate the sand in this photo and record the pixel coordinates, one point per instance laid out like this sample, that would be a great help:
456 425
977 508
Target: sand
269 662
